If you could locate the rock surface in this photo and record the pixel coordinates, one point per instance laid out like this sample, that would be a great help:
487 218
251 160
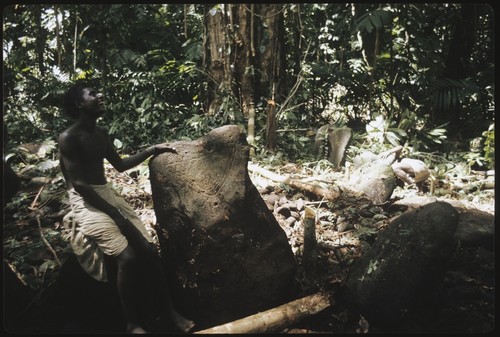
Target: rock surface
404 265
227 255
375 179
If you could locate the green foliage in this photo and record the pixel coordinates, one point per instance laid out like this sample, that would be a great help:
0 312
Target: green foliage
153 71
31 110
489 146
411 130
481 153
379 131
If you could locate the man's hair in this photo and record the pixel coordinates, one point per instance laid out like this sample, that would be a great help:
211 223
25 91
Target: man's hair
73 95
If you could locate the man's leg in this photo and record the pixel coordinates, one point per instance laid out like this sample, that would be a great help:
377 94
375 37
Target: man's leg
158 276
128 289
149 257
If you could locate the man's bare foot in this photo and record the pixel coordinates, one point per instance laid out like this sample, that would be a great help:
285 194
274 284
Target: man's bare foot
183 324
133 328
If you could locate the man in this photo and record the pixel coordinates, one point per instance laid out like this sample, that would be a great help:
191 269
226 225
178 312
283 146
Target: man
102 222
411 171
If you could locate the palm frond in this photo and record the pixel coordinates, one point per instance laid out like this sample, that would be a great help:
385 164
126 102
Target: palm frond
375 19
449 92
122 57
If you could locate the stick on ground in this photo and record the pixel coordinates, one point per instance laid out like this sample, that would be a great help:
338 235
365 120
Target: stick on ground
275 320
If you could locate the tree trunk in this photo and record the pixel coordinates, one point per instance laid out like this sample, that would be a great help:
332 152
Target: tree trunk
40 40
233 60
272 64
462 43
58 37
244 67
271 135
241 56
219 63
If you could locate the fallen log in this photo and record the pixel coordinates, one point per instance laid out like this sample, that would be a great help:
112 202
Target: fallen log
320 192
276 319
478 185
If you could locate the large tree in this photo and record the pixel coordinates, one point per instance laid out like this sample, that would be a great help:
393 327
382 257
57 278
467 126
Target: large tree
236 66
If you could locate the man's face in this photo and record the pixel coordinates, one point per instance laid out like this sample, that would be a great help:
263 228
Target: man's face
92 102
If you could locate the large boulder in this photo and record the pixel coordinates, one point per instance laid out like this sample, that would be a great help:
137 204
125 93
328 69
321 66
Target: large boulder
338 138
375 179
331 142
226 253
475 228
405 264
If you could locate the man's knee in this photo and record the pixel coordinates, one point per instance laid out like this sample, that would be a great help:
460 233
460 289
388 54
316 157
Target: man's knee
127 258
150 250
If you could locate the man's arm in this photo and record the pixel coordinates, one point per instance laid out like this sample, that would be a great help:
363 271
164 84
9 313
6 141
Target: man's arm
123 164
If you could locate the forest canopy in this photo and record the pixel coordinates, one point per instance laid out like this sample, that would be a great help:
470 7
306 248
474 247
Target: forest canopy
418 73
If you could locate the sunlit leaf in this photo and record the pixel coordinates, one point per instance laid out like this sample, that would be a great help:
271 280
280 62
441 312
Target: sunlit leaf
117 143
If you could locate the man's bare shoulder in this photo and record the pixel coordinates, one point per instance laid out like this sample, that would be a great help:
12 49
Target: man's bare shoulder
72 133
68 144
102 130
67 136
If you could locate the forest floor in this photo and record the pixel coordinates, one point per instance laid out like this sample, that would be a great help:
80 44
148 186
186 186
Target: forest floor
34 247
346 227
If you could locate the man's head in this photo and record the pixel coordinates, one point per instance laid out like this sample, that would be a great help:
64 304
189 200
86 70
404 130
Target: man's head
83 99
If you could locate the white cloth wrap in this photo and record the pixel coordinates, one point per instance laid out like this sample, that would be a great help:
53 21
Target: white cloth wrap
92 233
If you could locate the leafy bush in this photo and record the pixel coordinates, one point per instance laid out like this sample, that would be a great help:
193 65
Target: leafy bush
489 146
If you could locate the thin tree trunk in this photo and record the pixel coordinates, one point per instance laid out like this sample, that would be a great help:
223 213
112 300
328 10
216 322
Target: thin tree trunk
272 65
40 39
244 69
75 42
185 20
271 135
58 37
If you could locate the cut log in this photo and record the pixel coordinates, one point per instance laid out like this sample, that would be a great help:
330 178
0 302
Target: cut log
276 319
309 233
320 192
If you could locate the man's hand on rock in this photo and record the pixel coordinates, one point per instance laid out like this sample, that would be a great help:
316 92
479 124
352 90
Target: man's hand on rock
161 148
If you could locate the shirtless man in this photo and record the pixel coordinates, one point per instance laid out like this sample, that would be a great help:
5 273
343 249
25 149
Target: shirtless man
102 216
411 171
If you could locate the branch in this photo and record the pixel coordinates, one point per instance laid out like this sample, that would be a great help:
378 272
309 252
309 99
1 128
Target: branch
32 206
42 236
295 86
